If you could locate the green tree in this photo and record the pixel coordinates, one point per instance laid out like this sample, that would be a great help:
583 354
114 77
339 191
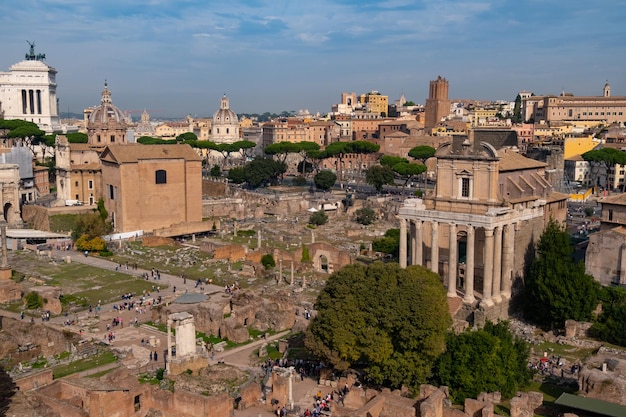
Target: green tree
409 103
607 156
268 261
378 175
390 160
318 218
422 153
485 360
408 170
260 172
388 320
216 171
102 211
611 325
325 180
187 136
77 137
389 243
365 216
556 287
237 175
91 225
33 300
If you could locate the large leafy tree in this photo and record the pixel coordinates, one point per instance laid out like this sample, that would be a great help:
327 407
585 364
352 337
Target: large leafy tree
485 360
611 325
78 137
324 180
557 288
389 243
260 172
379 175
606 156
390 321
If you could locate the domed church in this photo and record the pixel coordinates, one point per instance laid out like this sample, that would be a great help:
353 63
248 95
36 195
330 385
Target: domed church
225 127
106 124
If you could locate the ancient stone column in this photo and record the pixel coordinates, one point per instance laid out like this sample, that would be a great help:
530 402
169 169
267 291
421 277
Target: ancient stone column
452 260
508 255
280 271
413 242
434 248
403 243
488 268
469 267
312 236
291 280
497 264
418 251
169 345
258 239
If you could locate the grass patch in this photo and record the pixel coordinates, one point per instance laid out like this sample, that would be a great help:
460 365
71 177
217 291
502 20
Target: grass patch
84 364
572 353
84 285
552 388
60 223
159 326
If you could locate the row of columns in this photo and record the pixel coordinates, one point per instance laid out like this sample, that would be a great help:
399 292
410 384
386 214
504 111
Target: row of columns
497 261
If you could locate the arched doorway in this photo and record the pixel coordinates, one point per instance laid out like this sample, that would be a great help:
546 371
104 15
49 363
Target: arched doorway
7 212
323 263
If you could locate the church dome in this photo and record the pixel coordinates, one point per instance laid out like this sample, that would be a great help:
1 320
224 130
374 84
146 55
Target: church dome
225 126
225 116
107 112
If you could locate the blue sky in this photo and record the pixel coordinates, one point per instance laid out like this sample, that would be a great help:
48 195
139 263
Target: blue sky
177 57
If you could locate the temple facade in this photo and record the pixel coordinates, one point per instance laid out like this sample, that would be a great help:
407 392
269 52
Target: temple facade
478 227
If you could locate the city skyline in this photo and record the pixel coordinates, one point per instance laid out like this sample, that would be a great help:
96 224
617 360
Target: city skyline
175 58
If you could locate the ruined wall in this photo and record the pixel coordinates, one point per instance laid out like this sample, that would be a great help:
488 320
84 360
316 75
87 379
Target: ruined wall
44 341
186 404
250 394
111 404
607 386
36 217
10 291
34 380
194 363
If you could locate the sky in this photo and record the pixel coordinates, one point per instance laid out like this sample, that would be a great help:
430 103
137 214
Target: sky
179 57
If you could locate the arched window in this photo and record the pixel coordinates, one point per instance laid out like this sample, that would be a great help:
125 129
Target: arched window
161 176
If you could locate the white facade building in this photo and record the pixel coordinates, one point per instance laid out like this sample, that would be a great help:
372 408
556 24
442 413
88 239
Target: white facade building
28 92
225 127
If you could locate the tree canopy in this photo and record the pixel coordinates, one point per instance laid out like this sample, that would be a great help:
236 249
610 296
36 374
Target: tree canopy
422 152
77 137
611 325
261 171
390 321
609 155
485 360
390 243
325 179
365 216
379 175
556 287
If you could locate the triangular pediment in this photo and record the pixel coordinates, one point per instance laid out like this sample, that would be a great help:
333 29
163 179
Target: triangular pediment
465 173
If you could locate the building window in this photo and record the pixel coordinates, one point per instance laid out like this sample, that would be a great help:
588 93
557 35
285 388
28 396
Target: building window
90 184
161 176
112 138
75 183
98 138
610 215
111 192
465 187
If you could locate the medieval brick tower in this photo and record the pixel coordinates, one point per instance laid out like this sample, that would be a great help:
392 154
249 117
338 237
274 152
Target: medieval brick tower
437 103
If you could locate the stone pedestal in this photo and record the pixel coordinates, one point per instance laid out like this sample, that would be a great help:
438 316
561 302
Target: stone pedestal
5 273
